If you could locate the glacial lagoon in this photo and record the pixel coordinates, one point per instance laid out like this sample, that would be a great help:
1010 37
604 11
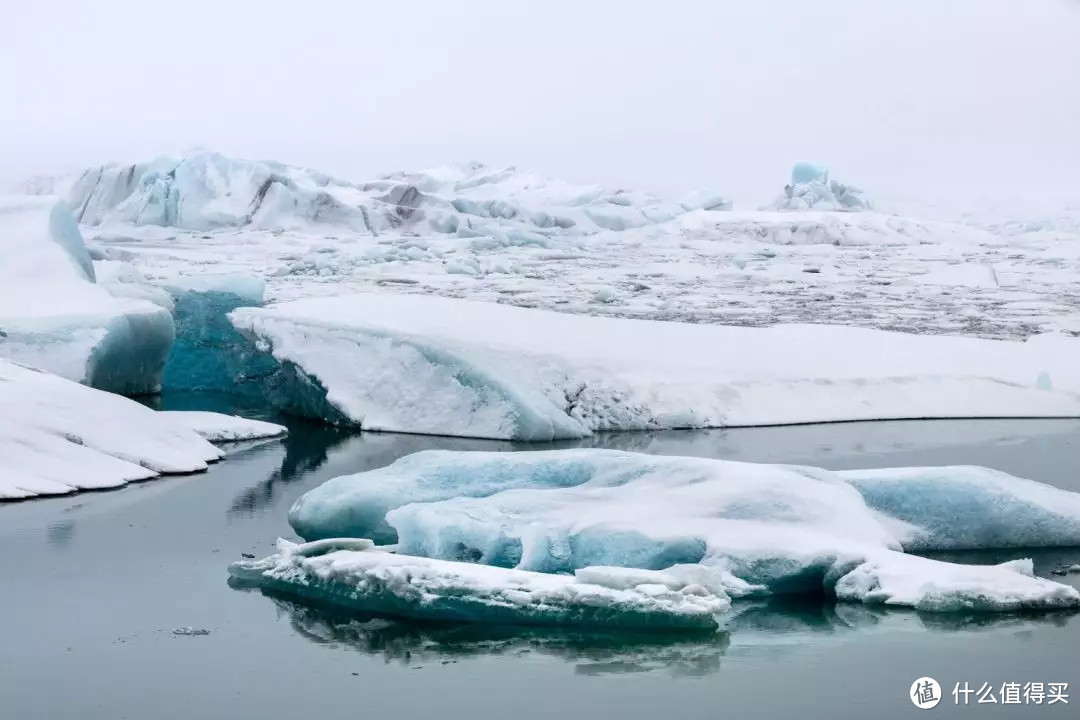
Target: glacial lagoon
115 604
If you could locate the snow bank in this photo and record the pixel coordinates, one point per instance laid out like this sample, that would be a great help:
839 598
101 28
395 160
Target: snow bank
217 427
369 580
454 367
734 528
57 436
54 316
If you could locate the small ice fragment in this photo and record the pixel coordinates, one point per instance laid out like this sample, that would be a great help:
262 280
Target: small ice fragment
190 631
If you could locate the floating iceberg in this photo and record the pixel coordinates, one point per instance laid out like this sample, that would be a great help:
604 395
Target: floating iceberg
217 427
54 316
735 529
57 436
357 576
811 189
454 367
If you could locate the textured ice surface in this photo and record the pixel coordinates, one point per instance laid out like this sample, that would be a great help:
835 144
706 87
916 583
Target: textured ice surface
57 436
370 580
54 316
217 427
731 527
454 367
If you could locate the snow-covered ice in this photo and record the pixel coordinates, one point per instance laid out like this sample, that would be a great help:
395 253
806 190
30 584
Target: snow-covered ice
217 427
356 576
54 316
513 237
733 528
57 436
454 367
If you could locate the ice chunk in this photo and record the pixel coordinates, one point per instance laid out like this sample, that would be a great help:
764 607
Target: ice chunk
731 527
454 367
57 436
217 427
935 586
382 583
54 316
811 189
968 508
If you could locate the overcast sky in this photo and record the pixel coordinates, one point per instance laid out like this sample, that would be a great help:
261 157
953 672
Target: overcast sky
892 95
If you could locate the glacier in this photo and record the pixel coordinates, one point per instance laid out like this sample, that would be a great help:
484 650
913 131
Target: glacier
454 367
58 436
55 316
205 190
512 236
355 575
735 529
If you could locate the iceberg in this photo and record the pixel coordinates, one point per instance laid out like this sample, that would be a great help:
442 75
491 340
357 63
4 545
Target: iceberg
736 529
57 436
355 575
811 189
54 316
453 367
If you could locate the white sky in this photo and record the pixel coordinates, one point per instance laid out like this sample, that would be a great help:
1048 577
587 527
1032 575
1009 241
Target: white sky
893 95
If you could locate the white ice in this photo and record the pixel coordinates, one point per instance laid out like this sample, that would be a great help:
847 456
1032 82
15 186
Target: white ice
57 436
455 367
514 237
217 427
354 575
741 528
54 316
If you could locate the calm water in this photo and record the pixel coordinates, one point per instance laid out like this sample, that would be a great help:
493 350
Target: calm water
93 586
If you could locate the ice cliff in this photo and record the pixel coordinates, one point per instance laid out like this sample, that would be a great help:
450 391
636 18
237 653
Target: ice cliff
454 367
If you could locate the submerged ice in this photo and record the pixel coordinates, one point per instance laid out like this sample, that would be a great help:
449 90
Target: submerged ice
733 528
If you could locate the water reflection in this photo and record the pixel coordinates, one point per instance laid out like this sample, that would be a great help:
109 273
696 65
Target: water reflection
768 627
592 652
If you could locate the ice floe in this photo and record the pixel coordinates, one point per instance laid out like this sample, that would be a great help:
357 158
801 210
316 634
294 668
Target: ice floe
364 578
734 529
455 367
